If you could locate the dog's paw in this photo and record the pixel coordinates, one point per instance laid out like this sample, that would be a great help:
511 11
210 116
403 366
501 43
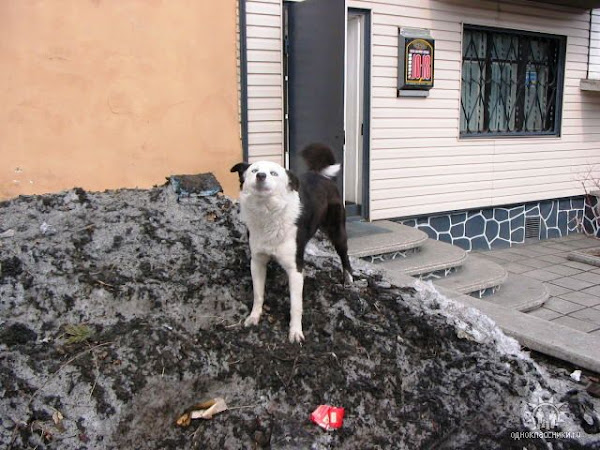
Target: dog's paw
348 279
296 335
252 320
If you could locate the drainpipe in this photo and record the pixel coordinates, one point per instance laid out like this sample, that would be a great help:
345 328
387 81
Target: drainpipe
243 80
587 73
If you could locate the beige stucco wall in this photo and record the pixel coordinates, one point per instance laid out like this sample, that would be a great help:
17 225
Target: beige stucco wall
107 94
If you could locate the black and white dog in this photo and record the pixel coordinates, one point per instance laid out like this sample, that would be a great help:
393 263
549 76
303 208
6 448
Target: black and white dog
282 213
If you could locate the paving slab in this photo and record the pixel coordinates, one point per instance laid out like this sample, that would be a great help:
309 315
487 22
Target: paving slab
584 245
542 275
573 237
476 274
556 291
580 265
562 306
571 283
544 313
432 257
543 250
506 255
588 314
581 325
563 270
524 251
515 267
581 298
559 247
555 259
588 276
383 236
594 290
535 263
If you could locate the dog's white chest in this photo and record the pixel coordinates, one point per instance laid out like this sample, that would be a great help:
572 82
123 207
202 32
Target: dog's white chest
271 222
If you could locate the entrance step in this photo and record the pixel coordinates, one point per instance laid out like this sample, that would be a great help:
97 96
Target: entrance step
516 292
520 293
384 237
434 260
475 277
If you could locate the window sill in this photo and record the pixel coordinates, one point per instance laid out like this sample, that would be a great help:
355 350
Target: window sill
586 84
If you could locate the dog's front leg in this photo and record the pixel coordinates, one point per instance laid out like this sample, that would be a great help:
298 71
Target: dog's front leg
258 268
296 279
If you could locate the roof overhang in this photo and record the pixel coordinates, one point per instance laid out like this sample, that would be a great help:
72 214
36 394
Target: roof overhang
583 4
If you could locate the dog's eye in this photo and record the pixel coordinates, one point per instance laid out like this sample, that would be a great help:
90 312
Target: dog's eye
275 174
254 170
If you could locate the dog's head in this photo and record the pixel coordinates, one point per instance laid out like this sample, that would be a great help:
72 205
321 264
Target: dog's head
265 178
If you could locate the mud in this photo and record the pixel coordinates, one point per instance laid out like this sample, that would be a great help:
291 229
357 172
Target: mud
161 284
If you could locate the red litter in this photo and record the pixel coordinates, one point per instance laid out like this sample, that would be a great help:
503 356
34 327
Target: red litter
328 417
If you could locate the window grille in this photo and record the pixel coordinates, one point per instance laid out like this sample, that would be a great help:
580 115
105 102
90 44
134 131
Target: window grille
511 82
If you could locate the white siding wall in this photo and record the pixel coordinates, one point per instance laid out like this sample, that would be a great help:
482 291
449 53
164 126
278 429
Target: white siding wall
265 85
595 46
418 163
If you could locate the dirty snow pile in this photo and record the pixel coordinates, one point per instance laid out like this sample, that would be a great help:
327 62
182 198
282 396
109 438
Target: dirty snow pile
119 310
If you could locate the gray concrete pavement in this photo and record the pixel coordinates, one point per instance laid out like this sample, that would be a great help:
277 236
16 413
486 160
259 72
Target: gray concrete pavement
574 287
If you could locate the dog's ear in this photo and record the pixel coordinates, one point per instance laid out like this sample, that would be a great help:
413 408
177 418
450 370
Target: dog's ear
240 168
294 182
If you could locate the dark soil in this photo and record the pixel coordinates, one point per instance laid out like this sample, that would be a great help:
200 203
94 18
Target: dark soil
162 285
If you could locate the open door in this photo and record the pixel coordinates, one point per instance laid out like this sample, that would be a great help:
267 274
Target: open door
314 41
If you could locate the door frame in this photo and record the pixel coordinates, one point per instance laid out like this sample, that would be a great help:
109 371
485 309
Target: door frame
366 165
366 125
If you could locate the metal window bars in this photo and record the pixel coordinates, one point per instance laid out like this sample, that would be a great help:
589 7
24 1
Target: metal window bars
510 82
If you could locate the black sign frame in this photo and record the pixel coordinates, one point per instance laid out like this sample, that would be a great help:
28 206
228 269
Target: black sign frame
416 60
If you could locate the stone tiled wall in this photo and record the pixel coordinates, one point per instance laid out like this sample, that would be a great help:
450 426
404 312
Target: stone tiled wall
591 220
503 227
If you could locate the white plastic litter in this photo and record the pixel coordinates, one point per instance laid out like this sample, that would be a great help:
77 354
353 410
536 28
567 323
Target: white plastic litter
44 227
7 234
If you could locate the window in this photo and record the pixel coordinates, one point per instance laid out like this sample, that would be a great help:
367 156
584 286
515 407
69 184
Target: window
511 83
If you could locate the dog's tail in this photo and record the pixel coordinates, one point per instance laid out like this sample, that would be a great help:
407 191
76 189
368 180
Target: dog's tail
319 158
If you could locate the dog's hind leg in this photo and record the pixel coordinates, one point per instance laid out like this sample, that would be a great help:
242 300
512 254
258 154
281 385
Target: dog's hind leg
258 268
341 247
335 228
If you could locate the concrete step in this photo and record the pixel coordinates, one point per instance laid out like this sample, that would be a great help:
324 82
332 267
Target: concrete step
516 292
435 259
367 239
476 275
520 293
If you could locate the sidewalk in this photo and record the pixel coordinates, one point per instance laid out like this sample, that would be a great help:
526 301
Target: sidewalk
574 287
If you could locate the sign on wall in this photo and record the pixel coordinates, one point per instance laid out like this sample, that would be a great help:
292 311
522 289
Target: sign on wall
416 56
